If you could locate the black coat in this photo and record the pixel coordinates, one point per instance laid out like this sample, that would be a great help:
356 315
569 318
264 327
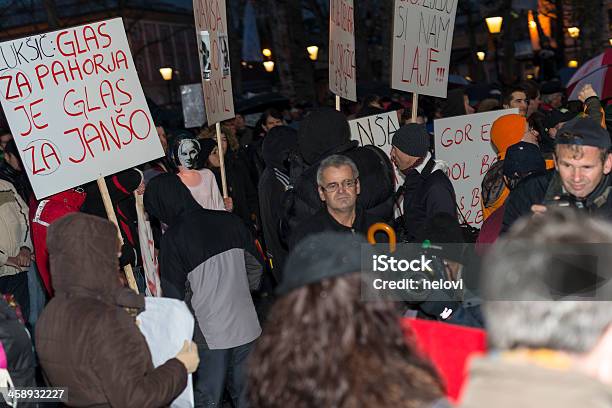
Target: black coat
425 195
538 189
323 221
273 183
18 348
240 187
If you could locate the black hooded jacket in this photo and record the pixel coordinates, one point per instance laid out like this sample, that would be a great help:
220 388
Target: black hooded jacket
273 183
208 259
324 133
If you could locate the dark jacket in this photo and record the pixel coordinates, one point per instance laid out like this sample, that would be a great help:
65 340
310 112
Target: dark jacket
85 338
18 348
18 179
207 258
426 194
323 221
538 189
273 183
240 186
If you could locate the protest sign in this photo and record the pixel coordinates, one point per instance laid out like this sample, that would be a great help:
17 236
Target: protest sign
464 142
165 324
75 106
192 99
342 78
377 130
212 37
422 42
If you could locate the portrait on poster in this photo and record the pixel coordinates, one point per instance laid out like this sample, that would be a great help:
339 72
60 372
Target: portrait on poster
206 54
225 55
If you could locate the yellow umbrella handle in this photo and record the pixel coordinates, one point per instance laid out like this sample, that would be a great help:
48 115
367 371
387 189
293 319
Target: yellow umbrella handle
386 228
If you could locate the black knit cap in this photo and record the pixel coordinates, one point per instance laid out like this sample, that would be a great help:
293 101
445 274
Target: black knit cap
523 158
412 139
584 132
321 256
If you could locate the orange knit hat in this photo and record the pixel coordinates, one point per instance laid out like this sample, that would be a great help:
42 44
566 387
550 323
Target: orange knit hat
507 131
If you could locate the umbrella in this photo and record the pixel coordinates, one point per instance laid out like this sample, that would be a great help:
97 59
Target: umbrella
596 72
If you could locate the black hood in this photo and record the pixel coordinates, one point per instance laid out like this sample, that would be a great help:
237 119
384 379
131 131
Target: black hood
454 105
167 198
320 132
277 145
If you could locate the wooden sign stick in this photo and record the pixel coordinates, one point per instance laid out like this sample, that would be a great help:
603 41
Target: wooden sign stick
221 160
415 107
110 213
338 103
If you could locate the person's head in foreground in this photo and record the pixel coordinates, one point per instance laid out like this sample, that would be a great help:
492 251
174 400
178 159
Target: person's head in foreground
582 157
549 315
325 347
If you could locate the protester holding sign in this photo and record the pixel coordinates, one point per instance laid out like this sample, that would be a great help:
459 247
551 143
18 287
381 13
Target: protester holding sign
426 190
86 338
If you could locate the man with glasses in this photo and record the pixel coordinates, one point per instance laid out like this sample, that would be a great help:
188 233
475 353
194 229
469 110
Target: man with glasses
582 178
427 190
338 186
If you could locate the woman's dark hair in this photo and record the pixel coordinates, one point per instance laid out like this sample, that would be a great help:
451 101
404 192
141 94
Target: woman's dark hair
323 346
11 148
270 112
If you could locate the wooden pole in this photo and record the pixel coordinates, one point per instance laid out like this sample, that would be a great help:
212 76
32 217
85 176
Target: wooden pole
221 160
415 107
338 103
110 213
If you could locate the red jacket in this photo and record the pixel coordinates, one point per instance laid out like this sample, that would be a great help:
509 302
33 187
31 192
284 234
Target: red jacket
42 214
448 347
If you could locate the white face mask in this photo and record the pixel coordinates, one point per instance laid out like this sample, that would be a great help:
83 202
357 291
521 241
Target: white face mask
188 152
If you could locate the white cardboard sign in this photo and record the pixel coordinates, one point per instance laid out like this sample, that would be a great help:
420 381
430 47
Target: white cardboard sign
213 48
342 72
75 106
422 42
377 130
464 142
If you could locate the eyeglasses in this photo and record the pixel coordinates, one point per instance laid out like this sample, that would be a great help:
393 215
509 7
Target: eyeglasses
346 184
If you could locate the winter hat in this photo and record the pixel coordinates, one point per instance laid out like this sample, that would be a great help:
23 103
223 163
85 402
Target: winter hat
584 132
507 131
320 132
523 158
277 145
551 87
321 256
412 139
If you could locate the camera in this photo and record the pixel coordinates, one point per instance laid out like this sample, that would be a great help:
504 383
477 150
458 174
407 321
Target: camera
565 201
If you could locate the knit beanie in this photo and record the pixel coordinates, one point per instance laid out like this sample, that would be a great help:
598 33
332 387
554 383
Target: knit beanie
507 131
412 139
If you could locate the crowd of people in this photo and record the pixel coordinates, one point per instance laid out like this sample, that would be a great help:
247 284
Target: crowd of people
261 234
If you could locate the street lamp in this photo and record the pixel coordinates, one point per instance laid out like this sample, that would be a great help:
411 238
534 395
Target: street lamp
574 32
572 64
313 52
166 74
268 66
266 52
481 55
494 25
